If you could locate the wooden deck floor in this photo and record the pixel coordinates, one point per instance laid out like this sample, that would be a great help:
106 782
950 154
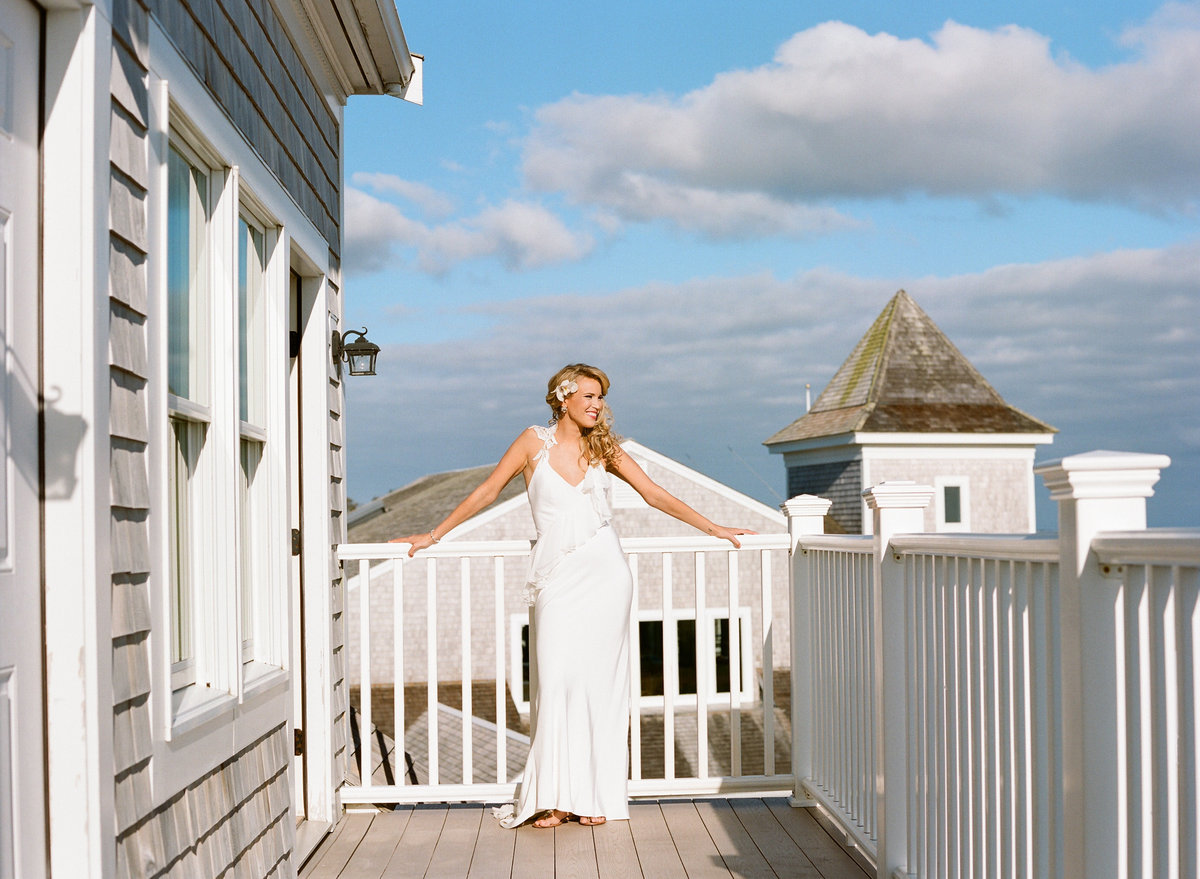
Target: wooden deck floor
671 839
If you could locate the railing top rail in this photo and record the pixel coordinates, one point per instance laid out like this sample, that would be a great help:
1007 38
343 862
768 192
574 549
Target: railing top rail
491 548
448 549
1162 546
701 543
1012 547
845 542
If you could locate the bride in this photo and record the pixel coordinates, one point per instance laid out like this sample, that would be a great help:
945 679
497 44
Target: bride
581 588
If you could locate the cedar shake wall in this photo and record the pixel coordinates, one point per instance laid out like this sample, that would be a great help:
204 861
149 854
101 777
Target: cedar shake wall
241 52
140 832
840 482
234 817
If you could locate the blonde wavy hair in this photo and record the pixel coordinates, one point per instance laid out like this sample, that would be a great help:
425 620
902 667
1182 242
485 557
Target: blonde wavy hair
600 444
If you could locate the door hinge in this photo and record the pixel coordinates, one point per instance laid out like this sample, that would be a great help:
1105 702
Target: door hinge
298 748
295 541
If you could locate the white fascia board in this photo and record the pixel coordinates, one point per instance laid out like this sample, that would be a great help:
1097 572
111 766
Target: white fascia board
843 440
838 441
952 439
394 34
933 452
639 451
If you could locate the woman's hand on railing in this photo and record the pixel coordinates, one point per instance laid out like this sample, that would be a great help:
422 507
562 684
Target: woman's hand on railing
725 532
418 541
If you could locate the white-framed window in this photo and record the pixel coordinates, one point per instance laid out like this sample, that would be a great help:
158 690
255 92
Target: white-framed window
191 184
224 288
253 500
715 652
951 499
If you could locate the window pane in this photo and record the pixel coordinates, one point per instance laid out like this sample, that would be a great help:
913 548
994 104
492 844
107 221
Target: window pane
952 503
186 226
525 663
251 456
723 648
650 646
250 340
187 439
686 632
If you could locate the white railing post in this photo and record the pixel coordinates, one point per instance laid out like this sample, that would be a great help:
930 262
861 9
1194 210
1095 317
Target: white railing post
1096 491
806 516
897 508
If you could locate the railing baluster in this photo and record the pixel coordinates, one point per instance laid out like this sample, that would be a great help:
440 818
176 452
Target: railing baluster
500 641
468 767
635 676
364 680
703 687
431 680
398 666
670 669
735 667
768 654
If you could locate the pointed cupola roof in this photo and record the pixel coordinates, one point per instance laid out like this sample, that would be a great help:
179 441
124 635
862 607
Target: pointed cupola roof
905 376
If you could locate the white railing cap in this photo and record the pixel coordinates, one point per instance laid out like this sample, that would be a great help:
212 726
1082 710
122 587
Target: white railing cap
899 494
1103 474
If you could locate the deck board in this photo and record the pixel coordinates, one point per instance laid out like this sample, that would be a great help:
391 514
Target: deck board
655 846
575 851
379 843
741 856
456 844
412 855
534 855
616 854
830 859
674 839
700 855
785 857
493 857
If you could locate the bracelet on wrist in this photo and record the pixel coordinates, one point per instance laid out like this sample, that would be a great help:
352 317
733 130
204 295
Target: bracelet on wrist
434 537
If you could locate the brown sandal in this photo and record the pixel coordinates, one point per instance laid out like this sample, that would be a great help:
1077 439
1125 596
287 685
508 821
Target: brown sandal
592 821
552 818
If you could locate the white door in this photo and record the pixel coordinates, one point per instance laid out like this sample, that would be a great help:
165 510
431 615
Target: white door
22 787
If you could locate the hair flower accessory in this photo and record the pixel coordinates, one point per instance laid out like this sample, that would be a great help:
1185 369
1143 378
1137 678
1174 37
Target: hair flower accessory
565 389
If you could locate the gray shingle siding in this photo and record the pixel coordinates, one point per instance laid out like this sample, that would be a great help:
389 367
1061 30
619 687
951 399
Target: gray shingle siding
233 819
240 51
840 482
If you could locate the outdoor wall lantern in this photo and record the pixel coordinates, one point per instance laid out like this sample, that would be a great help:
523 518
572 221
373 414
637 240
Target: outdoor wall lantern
360 353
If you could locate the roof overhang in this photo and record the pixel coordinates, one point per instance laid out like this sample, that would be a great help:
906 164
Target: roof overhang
364 46
973 440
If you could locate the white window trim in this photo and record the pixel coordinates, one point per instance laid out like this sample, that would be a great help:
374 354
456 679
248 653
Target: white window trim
748 695
183 753
221 676
940 484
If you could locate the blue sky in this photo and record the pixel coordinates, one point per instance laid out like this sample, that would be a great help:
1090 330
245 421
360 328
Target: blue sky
713 201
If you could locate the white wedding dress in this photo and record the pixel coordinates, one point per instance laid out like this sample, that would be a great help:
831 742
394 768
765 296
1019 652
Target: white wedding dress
581 588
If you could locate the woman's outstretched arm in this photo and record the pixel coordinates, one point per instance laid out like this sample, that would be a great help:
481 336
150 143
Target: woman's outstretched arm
661 499
516 459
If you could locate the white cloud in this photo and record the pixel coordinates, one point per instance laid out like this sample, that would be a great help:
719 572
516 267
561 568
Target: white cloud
843 113
522 235
435 204
1086 344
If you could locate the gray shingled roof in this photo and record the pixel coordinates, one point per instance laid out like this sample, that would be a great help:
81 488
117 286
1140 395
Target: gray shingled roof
905 376
420 505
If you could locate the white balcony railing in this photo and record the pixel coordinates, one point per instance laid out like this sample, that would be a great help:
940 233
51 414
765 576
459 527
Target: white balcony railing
710 704
960 705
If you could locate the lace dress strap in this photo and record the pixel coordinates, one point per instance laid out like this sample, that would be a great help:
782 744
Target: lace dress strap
546 435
